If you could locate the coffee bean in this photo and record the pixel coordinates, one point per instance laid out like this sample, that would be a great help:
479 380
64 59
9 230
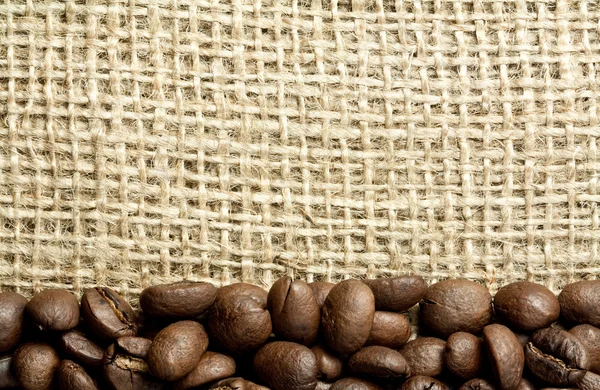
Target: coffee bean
239 321
578 302
525 384
323 385
354 384
80 348
176 350
237 384
126 372
590 381
135 346
178 300
284 365
421 382
456 305
590 337
505 354
212 367
397 294
463 355
527 306
34 364
71 376
320 291
54 309
7 379
12 308
107 315
379 362
477 384
294 311
348 316
330 366
389 329
425 356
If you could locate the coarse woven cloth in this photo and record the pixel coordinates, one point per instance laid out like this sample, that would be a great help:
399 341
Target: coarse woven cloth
145 142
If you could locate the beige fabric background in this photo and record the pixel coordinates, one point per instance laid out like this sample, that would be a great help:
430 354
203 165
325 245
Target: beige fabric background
149 141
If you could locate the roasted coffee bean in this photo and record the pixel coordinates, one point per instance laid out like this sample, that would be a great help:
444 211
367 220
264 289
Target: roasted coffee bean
527 306
80 348
237 384
135 346
420 382
425 356
557 357
239 321
397 294
590 381
107 315
54 309
123 371
71 376
330 366
7 379
389 329
284 365
379 362
463 355
320 291
505 354
12 309
294 311
526 385
348 316
578 302
176 350
212 367
590 337
178 300
34 364
354 384
456 305
477 384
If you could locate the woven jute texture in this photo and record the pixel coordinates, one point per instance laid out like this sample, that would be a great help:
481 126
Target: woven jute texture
146 141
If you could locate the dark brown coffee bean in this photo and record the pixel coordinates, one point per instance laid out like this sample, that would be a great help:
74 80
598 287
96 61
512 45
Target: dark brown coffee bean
455 305
107 315
389 329
7 379
590 337
527 306
176 350
34 364
354 384
125 372
590 381
420 382
348 316
526 385
178 300
294 311
550 369
285 365
397 294
71 376
212 367
12 309
54 309
505 354
330 366
425 356
320 291
135 346
578 302
379 362
80 348
239 320
237 384
463 355
477 384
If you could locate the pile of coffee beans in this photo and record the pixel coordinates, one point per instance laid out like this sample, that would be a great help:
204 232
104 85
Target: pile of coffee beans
305 336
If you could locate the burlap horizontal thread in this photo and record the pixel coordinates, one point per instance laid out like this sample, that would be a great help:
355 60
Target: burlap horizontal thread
145 141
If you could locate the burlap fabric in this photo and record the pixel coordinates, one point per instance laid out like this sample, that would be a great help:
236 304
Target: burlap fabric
240 140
